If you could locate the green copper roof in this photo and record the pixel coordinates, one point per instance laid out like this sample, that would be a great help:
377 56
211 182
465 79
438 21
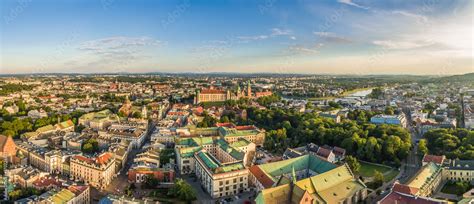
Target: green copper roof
240 143
311 162
207 160
232 151
188 151
229 168
195 141
230 132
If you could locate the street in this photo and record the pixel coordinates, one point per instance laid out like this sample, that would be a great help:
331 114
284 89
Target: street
120 183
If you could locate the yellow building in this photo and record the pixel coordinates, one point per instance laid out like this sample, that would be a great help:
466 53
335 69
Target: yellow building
426 180
98 171
460 170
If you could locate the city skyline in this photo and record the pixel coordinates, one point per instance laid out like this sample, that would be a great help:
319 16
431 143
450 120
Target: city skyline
269 36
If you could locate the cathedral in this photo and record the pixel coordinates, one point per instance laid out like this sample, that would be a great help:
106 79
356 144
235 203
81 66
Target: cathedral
216 95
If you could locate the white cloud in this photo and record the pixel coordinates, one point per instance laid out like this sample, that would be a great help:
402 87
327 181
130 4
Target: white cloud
332 37
401 45
301 49
279 32
256 37
351 3
418 17
275 32
119 52
117 43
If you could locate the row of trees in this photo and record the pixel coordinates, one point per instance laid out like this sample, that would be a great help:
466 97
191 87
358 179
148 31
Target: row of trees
15 126
375 143
454 143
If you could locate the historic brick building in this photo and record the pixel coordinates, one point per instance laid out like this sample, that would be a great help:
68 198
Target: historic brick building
8 147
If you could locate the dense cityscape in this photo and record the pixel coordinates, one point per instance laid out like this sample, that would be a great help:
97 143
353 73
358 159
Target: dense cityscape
225 138
236 102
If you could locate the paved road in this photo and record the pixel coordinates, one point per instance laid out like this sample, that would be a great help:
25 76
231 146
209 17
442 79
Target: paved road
408 167
120 183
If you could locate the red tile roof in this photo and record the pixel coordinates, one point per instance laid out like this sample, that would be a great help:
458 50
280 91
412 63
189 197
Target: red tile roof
400 198
101 159
260 175
404 189
323 152
433 158
245 127
339 151
46 182
229 125
77 189
104 158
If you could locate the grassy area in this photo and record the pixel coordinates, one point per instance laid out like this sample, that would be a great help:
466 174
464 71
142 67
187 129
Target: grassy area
368 170
390 175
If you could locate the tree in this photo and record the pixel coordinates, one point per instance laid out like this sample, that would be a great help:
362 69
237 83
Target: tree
90 146
166 155
389 110
207 121
151 181
137 114
376 93
422 147
378 178
2 167
182 190
87 148
353 164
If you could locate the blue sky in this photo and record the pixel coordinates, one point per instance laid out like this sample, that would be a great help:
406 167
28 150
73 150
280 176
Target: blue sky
293 36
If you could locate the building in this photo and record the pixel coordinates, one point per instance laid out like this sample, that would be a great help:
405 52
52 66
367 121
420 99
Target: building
268 175
126 108
35 114
98 171
218 95
403 198
460 170
427 158
132 131
307 180
98 120
139 174
7 148
74 194
435 171
389 119
425 182
222 168
185 149
48 131
331 154
333 116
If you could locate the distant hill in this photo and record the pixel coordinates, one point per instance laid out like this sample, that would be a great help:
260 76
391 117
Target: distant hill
469 77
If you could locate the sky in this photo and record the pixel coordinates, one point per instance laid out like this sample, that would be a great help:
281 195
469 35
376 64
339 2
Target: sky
432 37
